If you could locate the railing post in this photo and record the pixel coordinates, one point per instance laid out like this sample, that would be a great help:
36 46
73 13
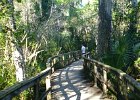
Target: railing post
85 65
105 81
74 57
51 63
52 67
119 96
63 59
66 59
125 89
69 61
36 91
78 54
95 74
48 86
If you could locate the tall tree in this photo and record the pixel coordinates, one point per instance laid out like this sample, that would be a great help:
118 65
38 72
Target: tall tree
104 28
17 51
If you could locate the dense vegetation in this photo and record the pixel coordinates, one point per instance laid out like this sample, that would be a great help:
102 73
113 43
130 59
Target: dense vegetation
34 30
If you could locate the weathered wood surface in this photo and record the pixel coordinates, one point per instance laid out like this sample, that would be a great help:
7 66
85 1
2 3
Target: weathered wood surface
70 84
112 79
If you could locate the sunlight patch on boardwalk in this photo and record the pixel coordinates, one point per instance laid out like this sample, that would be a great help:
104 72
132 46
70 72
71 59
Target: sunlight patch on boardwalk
70 84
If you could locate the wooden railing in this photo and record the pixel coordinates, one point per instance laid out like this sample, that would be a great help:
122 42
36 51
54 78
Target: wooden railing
107 78
52 64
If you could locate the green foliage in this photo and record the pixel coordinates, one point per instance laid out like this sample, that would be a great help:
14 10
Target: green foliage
46 7
32 69
2 39
25 95
37 8
52 48
19 1
64 1
137 64
6 77
116 58
124 36
136 49
137 69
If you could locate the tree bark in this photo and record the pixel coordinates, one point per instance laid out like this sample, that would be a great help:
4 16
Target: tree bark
104 28
18 57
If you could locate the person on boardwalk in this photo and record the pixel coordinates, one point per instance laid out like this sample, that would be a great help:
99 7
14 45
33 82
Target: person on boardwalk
83 49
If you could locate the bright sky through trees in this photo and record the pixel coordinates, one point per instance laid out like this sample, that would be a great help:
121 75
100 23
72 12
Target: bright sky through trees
84 2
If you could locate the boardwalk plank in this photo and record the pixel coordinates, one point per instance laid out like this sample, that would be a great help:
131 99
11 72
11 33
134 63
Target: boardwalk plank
70 84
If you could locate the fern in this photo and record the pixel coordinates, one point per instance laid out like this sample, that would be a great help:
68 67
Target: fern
136 49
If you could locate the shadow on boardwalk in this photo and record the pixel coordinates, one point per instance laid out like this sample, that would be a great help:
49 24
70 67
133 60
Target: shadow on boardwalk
70 84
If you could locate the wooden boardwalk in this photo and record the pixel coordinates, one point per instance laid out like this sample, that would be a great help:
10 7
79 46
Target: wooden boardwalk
70 84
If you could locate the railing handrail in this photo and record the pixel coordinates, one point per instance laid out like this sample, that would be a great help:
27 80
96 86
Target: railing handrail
16 89
130 83
22 84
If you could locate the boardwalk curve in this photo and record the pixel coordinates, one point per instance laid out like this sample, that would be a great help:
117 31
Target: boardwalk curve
70 84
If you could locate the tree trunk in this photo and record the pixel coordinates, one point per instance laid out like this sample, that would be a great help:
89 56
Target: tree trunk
17 51
104 28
